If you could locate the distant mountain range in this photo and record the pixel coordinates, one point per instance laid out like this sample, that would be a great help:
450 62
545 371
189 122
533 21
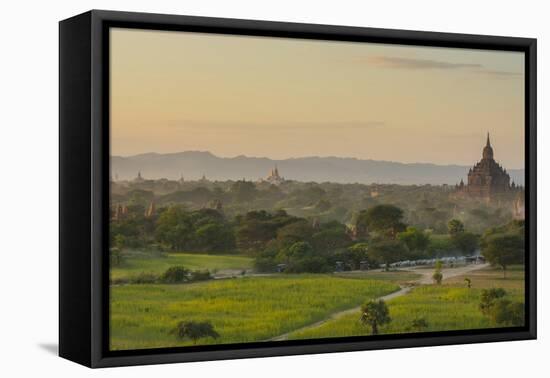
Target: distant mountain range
193 164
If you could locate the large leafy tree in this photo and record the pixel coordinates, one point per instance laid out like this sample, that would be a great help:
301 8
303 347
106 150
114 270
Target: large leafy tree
175 228
215 237
354 255
299 250
455 227
466 242
384 219
256 228
300 230
463 241
504 249
330 237
375 314
387 251
415 239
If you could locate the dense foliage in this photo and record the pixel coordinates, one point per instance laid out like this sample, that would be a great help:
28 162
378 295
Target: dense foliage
505 245
323 227
502 311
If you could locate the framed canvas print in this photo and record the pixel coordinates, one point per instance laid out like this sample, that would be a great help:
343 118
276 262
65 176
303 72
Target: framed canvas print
234 188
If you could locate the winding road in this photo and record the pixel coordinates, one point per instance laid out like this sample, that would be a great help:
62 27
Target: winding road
425 279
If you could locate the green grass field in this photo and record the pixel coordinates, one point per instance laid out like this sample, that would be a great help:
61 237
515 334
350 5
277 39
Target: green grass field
451 306
136 263
241 309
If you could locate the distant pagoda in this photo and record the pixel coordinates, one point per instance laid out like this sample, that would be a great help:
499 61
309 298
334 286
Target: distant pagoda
274 177
485 179
139 179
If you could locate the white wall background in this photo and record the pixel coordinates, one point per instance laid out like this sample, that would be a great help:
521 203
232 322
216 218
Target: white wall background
29 186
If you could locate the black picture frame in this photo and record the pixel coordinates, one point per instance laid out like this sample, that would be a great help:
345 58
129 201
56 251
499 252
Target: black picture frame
84 186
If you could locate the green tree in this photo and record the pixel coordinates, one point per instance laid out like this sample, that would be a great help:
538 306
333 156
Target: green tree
440 246
294 232
465 242
309 264
415 239
215 237
205 216
438 275
384 219
175 228
331 238
355 254
265 263
133 232
299 250
388 251
455 227
253 234
503 250
375 314
195 330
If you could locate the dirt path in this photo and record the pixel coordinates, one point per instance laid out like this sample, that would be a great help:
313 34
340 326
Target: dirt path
425 279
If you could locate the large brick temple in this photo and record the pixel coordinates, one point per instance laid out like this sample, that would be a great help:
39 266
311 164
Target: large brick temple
485 179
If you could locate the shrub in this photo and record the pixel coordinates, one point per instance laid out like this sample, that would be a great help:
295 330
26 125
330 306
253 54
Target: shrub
175 274
508 313
195 330
144 278
419 324
438 276
312 264
488 299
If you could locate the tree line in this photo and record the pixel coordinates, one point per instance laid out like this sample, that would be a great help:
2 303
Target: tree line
379 236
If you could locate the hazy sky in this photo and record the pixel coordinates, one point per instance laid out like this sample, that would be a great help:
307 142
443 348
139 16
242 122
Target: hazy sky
282 98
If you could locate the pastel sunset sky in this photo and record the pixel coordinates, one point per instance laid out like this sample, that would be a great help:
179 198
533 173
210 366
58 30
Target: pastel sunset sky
284 98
